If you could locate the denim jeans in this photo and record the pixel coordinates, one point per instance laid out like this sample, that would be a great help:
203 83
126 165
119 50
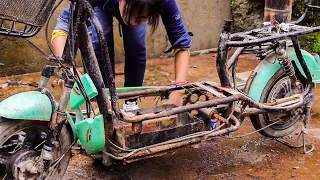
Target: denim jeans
134 40
134 37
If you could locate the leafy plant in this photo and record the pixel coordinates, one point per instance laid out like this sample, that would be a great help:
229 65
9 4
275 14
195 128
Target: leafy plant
309 42
233 2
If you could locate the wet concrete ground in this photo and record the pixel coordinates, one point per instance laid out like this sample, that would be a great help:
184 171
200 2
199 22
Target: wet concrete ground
254 157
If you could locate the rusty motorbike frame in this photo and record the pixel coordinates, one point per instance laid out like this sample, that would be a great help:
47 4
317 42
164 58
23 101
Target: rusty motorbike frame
137 135
225 94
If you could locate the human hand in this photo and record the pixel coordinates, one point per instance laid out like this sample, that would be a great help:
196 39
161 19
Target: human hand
61 82
176 97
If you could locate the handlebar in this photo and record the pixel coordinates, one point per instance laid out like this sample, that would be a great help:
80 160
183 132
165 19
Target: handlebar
313 8
308 7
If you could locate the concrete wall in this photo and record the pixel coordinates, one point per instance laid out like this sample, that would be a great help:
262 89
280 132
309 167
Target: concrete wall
203 17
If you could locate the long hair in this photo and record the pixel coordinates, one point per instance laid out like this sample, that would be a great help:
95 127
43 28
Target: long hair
138 8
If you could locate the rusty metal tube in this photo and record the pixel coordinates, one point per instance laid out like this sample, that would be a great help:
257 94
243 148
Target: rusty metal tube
252 111
211 113
234 57
184 109
153 151
280 101
234 43
212 103
163 148
142 92
272 108
153 91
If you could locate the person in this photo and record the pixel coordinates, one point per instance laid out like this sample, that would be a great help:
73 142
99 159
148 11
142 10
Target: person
133 17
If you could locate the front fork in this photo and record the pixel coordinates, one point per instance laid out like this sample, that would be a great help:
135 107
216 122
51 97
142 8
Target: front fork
58 116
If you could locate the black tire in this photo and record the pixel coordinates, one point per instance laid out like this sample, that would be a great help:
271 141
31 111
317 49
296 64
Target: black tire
262 120
9 128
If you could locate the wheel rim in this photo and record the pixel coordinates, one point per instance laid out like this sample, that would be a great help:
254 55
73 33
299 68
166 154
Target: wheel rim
13 144
281 89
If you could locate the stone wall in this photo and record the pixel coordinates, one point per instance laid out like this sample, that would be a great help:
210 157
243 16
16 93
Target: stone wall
247 14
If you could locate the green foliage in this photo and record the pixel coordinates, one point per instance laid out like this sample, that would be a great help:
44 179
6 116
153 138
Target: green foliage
313 18
309 42
247 18
233 2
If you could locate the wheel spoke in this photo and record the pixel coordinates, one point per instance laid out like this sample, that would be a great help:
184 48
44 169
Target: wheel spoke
8 145
39 145
288 88
280 90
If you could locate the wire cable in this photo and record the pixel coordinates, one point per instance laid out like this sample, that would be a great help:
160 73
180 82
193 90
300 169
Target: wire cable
67 70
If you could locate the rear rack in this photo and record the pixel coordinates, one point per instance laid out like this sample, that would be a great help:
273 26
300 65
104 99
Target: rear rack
264 35
224 96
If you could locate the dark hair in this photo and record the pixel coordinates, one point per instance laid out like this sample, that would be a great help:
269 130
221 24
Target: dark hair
153 8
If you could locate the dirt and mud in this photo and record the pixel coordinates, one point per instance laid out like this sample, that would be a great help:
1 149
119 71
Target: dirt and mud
254 157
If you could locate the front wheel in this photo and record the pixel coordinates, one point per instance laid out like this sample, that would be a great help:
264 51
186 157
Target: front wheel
279 86
13 135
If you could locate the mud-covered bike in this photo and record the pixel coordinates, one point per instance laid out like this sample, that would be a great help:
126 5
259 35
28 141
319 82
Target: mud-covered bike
37 132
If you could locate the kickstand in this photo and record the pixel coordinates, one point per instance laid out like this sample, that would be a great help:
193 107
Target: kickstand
307 149
305 146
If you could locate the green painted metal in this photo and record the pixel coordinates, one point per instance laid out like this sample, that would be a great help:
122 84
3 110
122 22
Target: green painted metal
131 89
76 97
32 105
312 62
72 125
270 65
79 115
91 134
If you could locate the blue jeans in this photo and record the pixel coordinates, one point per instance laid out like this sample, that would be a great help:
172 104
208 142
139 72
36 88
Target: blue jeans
134 40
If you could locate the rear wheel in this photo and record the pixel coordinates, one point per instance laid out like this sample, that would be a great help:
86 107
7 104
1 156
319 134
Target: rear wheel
279 86
13 134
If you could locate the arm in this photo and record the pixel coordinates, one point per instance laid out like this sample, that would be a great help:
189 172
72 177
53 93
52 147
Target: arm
58 42
179 37
182 59
60 33
61 29
180 40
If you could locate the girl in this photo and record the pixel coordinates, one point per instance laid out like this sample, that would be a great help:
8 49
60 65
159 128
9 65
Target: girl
133 16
